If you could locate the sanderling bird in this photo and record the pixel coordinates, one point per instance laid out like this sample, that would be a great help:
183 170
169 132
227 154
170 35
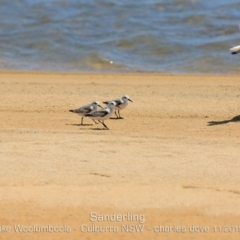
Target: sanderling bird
102 114
90 108
235 49
121 103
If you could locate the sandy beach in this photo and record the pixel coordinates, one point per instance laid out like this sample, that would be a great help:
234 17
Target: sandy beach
162 161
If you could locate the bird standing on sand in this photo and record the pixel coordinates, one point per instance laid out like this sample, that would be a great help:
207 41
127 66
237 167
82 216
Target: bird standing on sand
236 49
82 111
121 103
102 114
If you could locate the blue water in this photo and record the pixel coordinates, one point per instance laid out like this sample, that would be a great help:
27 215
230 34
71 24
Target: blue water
178 36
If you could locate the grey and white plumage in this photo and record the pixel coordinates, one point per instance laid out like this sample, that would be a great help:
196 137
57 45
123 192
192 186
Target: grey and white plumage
236 49
121 103
87 109
102 114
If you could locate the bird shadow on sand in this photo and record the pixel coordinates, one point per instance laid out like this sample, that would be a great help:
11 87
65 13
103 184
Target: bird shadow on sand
234 119
115 118
99 129
79 125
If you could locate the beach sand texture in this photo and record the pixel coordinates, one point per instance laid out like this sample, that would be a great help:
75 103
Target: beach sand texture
162 160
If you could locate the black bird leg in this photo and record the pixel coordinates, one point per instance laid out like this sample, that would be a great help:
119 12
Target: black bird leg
103 124
116 114
119 114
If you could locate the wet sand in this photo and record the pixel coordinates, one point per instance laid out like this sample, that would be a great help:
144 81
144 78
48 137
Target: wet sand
162 161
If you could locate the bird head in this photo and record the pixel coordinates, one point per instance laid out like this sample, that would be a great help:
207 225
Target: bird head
126 97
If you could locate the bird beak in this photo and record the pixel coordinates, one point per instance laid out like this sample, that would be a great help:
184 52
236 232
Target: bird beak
130 100
100 106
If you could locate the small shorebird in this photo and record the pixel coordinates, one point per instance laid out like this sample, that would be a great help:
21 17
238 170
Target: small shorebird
236 49
102 114
82 111
121 103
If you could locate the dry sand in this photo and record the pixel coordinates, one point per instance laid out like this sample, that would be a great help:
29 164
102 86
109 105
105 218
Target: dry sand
161 161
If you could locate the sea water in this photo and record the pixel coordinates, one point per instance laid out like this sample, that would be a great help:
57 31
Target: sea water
176 36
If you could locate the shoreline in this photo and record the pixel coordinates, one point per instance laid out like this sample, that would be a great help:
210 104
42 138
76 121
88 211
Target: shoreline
114 73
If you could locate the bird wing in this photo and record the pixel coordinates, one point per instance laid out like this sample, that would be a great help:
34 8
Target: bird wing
84 110
100 113
88 109
118 102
